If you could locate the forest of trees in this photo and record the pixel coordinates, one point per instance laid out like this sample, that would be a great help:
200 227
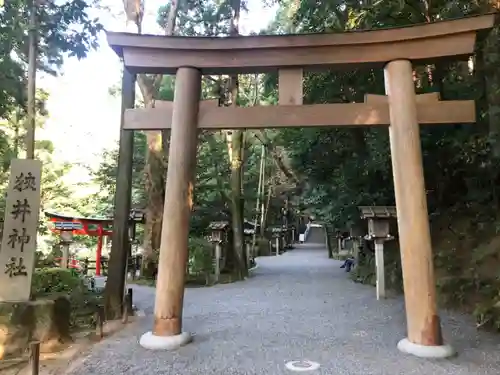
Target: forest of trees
328 171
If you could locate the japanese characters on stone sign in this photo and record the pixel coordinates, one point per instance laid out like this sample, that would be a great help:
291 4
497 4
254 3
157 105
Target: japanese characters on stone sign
17 254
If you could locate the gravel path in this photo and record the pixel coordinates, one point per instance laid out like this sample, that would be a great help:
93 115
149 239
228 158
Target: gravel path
300 305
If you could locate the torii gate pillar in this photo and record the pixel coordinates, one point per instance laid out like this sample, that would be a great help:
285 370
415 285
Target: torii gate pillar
167 330
423 324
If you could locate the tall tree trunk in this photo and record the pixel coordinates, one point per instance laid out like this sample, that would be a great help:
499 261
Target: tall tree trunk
265 210
262 211
155 169
16 133
260 195
235 141
235 149
156 151
277 157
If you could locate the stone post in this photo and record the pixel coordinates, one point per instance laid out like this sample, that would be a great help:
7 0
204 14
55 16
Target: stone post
66 238
218 255
379 266
65 254
248 251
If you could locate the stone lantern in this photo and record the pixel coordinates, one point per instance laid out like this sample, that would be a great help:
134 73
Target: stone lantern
276 234
66 238
218 235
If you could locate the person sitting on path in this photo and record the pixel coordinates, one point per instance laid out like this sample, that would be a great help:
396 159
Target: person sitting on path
348 264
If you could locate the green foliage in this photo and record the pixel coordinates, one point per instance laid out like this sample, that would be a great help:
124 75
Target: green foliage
200 256
56 193
101 204
200 262
55 280
64 28
196 17
345 168
43 261
364 272
466 269
212 184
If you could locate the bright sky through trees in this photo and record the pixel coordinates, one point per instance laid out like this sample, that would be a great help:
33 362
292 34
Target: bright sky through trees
84 118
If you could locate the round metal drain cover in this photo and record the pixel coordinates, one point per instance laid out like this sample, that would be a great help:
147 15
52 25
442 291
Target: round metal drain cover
302 365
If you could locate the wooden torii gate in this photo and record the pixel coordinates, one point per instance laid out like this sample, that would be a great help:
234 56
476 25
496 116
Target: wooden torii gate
189 58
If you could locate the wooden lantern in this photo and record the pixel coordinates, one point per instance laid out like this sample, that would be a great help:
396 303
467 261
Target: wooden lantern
378 227
218 231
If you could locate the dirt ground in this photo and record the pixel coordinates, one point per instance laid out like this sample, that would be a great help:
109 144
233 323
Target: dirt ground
58 363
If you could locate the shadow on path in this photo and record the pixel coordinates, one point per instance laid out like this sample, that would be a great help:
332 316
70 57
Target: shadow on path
299 305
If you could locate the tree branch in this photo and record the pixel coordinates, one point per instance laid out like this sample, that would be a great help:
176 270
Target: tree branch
278 159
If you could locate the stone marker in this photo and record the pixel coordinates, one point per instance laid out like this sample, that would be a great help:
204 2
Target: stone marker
17 254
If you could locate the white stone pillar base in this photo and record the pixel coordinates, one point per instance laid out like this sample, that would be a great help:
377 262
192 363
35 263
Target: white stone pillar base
153 342
424 351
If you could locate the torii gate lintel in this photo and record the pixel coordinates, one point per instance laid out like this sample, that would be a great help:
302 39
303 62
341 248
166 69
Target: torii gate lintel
373 112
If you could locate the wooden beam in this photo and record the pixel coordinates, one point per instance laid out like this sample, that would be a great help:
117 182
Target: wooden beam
429 97
249 61
284 116
290 86
120 41
421 43
166 105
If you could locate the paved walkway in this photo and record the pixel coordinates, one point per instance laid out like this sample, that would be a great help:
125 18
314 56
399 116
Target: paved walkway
300 305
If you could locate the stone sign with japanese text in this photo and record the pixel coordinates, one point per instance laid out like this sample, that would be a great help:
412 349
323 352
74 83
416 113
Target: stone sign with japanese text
22 206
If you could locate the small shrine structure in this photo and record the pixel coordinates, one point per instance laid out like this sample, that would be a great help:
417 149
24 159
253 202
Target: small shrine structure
67 226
